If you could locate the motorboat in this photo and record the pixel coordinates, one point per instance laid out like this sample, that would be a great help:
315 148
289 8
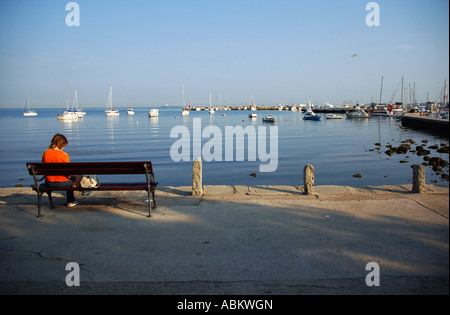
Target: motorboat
153 113
252 116
184 112
333 116
310 115
269 118
130 111
396 112
379 112
358 113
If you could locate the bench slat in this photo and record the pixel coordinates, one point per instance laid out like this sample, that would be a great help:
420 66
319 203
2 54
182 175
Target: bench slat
98 168
109 186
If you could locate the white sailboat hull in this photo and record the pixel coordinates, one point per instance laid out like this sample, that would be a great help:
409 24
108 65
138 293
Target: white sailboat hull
30 114
112 112
68 116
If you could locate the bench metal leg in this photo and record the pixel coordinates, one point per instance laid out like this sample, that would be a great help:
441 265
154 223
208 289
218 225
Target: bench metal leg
154 200
149 204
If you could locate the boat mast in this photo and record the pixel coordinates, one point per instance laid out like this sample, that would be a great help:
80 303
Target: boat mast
110 99
381 90
75 101
67 96
402 93
445 94
184 103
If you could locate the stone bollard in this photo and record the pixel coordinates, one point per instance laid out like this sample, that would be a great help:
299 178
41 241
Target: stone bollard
418 185
308 179
197 186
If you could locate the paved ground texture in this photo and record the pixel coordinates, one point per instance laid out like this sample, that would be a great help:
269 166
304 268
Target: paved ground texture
234 240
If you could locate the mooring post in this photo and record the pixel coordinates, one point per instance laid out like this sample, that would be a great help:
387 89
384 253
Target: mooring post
418 180
308 179
197 186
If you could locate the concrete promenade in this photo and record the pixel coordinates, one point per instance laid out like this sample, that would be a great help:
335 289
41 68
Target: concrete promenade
265 240
437 125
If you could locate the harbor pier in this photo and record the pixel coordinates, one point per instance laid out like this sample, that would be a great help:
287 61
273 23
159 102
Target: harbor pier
432 124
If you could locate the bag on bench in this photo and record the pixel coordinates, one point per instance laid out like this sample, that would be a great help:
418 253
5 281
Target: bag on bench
89 181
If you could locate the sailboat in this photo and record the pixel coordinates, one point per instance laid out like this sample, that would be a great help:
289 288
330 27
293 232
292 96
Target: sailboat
109 110
67 114
252 105
310 115
211 110
77 111
184 112
27 112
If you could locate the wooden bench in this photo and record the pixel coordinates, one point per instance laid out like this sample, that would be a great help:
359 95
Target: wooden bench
97 168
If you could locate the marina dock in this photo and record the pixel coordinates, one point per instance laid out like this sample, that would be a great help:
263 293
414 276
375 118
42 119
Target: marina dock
433 124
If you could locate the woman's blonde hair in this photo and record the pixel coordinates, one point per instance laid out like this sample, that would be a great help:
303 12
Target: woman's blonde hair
58 141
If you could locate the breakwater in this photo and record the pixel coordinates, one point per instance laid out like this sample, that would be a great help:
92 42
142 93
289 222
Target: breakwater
432 124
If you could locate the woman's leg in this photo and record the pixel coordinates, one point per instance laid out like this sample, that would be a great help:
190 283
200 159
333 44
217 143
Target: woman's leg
69 194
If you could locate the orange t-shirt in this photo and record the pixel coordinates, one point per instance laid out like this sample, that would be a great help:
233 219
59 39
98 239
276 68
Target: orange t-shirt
55 156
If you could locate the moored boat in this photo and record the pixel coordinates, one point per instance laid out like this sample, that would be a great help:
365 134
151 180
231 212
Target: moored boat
153 113
310 115
269 118
333 116
110 111
80 113
379 112
28 112
358 113
68 115
211 109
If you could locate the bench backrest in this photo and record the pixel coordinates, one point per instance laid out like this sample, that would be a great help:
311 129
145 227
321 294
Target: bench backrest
97 168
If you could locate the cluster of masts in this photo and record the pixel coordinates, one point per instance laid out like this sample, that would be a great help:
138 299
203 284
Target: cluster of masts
75 113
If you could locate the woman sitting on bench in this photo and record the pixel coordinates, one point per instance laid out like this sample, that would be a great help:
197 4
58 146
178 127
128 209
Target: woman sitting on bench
55 154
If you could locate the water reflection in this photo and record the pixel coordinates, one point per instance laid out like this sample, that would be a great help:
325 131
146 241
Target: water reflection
111 121
154 125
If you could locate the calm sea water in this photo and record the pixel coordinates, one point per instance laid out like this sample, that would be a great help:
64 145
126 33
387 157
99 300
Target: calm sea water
338 149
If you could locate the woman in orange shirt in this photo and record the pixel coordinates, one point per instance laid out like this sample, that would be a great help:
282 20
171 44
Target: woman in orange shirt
55 154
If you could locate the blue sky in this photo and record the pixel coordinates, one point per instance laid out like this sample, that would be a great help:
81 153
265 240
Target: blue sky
279 51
